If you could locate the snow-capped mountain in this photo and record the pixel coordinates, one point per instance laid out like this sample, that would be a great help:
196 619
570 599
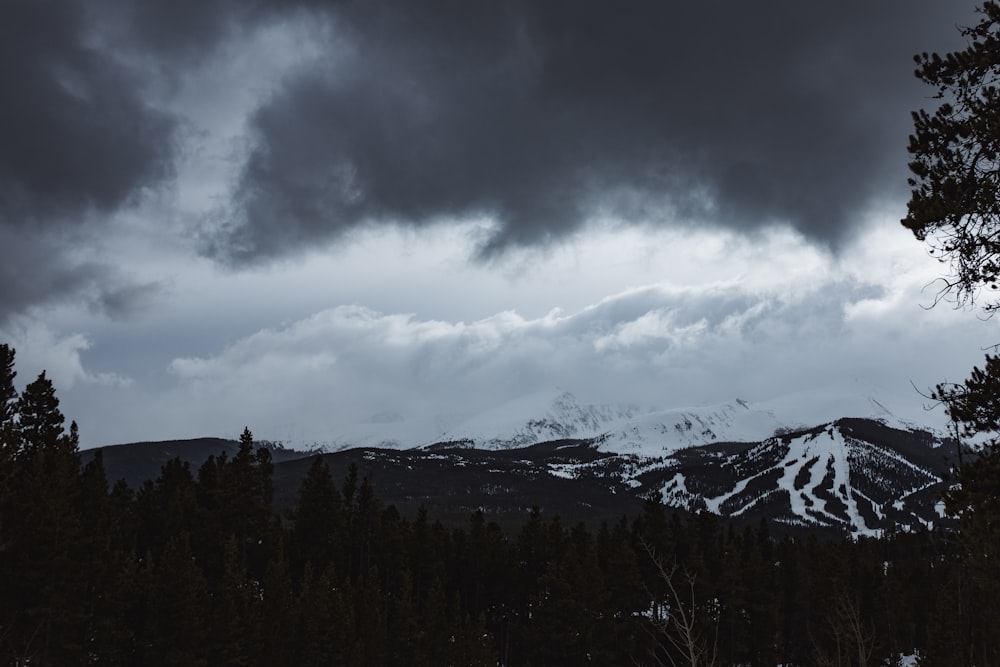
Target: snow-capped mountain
540 418
852 476
825 460
855 475
858 470
630 429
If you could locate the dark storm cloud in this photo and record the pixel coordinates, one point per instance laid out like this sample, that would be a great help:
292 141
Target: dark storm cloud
538 114
36 268
33 271
543 114
74 131
121 299
77 142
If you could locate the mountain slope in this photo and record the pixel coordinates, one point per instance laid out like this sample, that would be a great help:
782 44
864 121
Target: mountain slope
853 475
849 477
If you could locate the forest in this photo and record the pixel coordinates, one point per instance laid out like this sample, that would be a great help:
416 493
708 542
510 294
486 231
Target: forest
197 567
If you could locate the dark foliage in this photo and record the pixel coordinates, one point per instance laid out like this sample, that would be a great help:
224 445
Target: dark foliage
955 208
200 569
955 200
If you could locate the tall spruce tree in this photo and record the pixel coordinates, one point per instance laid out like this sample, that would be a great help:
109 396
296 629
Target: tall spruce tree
319 522
40 423
43 583
8 411
955 208
8 448
955 200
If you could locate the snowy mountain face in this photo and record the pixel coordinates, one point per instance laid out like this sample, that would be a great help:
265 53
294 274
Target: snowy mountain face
856 476
852 476
860 472
628 429
536 419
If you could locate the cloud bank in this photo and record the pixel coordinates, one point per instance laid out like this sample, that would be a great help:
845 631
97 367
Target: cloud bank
540 117
659 345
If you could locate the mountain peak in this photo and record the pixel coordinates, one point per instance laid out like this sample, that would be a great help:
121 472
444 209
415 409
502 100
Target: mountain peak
617 426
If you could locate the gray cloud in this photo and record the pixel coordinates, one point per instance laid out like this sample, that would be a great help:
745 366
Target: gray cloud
123 299
77 142
655 345
75 132
545 114
33 270
539 115
37 268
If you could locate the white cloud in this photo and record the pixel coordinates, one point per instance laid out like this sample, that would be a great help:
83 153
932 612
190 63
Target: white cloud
659 344
38 348
618 314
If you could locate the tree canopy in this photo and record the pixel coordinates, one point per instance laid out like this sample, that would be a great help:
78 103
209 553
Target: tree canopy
955 208
955 200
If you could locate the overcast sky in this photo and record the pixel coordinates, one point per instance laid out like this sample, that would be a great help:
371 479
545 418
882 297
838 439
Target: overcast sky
301 215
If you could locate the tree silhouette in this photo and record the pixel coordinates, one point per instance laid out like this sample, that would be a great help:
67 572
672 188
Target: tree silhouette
955 200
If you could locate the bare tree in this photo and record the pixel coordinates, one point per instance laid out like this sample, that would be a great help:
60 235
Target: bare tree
853 639
677 631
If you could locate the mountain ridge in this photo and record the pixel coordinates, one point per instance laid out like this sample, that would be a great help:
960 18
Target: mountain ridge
860 473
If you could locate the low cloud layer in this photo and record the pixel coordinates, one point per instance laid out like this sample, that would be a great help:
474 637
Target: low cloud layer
433 339
657 346
146 145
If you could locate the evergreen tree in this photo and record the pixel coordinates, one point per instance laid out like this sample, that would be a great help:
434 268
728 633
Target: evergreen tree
403 624
318 522
315 616
235 613
370 624
43 586
277 631
474 645
9 445
955 208
570 623
955 200
167 508
40 424
427 549
245 503
108 564
175 632
437 625
628 597
8 425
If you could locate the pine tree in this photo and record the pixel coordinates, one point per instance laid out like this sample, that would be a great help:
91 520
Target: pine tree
955 208
245 503
403 623
436 625
955 200
370 620
43 585
108 564
319 523
277 632
570 620
9 445
474 645
628 597
176 609
40 423
8 411
235 612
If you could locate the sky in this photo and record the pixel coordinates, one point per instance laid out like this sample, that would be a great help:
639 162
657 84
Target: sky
302 215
